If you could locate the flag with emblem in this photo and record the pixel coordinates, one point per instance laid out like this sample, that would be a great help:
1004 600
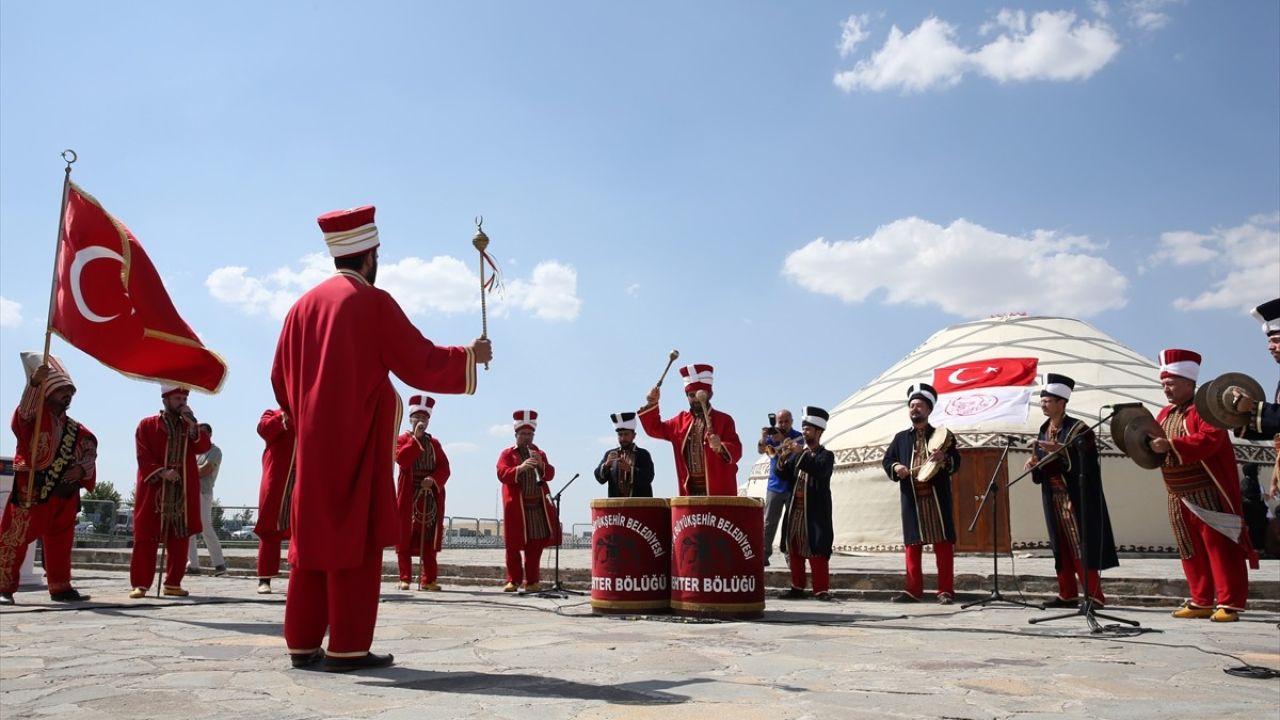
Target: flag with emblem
984 391
109 301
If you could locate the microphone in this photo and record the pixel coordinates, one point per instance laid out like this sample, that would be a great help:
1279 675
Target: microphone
1013 439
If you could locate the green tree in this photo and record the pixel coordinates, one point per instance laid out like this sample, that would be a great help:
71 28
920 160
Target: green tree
216 514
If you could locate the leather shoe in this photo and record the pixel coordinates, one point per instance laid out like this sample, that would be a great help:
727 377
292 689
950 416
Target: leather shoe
137 593
904 597
6 598
1224 615
824 596
219 570
368 661
792 594
302 660
533 587
264 587
1060 603
509 587
404 586
68 595
1192 612
174 591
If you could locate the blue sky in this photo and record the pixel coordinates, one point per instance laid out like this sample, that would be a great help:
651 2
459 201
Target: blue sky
797 193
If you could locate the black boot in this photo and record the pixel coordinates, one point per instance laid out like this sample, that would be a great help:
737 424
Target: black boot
68 595
367 661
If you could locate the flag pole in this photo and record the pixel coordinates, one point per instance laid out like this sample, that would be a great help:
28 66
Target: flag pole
69 157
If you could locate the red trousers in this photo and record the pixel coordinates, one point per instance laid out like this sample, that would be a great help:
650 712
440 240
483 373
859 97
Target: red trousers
430 570
269 555
1072 568
1217 569
529 569
344 602
142 564
53 520
821 572
944 555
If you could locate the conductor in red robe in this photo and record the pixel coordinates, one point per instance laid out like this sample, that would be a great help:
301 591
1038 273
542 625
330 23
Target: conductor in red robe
274 493
528 515
424 469
707 450
66 461
166 506
339 343
1200 475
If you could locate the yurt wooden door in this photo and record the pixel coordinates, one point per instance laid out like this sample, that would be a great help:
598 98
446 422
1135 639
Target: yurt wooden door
967 488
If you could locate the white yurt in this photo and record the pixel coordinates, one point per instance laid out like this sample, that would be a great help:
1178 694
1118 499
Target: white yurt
866 502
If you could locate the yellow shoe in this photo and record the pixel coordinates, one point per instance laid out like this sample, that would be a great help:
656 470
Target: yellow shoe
404 586
137 593
1192 612
533 587
432 587
175 591
509 587
1223 614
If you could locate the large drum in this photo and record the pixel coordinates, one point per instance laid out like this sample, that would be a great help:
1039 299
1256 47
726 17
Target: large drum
630 555
717 559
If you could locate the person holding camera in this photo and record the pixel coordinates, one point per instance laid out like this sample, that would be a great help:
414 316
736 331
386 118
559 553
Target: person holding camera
778 492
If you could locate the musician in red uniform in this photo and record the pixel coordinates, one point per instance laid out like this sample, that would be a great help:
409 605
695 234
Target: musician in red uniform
1200 475
424 469
166 506
274 493
338 345
706 453
66 458
528 516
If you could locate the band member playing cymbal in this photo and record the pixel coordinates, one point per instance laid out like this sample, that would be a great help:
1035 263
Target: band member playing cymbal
628 468
1200 474
529 518
926 503
806 529
424 469
1265 416
1063 480
705 441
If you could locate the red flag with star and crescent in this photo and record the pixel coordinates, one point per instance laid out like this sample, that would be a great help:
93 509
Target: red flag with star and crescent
984 391
109 301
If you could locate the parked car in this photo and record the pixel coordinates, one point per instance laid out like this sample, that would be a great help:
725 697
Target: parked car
85 528
244 534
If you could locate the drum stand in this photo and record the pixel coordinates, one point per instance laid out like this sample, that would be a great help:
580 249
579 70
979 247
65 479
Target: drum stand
1087 609
557 590
993 493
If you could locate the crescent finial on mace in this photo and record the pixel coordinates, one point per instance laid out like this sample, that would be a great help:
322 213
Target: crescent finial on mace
481 243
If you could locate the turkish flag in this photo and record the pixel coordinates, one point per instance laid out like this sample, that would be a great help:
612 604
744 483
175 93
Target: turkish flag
984 373
109 302
996 391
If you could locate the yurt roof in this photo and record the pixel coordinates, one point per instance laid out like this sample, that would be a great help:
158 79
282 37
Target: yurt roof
1106 372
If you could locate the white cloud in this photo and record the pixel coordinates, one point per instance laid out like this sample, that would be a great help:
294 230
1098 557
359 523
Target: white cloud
633 289
10 313
1100 8
1246 259
460 448
1148 15
443 285
965 269
1049 45
550 293
852 33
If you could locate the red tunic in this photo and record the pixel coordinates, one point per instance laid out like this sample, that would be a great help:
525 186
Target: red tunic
722 476
152 441
408 450
513 501
277 460
24 421
1211 447
338 344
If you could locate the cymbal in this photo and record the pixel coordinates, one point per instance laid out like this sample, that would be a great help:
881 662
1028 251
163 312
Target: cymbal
1137 445
942 439
1216 404
1120 420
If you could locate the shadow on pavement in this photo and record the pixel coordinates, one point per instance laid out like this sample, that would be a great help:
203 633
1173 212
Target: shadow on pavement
646 692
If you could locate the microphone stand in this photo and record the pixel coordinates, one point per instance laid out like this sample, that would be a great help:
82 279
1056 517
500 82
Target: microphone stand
1087 609
993 492
557 590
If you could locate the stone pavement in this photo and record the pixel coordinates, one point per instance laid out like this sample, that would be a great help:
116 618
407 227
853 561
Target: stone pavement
473 652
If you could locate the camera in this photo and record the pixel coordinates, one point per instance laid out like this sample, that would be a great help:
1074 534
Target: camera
773 424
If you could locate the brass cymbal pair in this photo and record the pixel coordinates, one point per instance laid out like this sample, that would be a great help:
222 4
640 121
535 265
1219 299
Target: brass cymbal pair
1216 402
1132 428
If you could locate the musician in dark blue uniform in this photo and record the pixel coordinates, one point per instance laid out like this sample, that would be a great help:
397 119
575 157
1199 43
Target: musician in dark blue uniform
626 469
1071 491
926 500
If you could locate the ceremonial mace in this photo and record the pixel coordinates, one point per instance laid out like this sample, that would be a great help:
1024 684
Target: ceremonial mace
671 357
481 243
